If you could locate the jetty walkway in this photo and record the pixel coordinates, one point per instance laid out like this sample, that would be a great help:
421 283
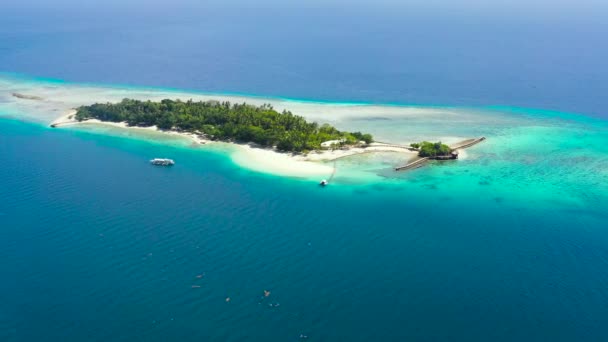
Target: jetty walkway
412 165
423 160
379 144
467 143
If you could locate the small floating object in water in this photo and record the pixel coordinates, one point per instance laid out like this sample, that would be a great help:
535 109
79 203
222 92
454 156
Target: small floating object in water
323 183
303 337
227 299
162 162
266 293
200 276
195 286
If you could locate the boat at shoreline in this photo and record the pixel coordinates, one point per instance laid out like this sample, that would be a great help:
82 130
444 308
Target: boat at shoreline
162 162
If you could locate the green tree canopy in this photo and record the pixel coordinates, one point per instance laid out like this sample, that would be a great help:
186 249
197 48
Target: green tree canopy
429 149
224 121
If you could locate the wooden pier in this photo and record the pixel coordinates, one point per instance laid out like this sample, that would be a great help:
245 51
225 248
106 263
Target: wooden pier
421 161
467 143
415 164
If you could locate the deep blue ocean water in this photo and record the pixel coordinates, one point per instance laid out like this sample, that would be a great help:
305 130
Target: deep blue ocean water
95 245
445 54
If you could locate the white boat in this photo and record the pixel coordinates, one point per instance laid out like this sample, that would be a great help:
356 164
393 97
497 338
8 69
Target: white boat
162 162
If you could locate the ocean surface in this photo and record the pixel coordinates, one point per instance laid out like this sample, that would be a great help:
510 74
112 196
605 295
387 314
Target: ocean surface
445 54
508 244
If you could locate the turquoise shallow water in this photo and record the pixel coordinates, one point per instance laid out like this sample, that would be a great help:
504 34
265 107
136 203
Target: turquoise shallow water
507 244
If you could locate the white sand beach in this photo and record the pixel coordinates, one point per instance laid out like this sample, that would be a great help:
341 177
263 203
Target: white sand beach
54 104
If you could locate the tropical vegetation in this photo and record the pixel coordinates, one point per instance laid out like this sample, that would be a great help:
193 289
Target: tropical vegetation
429 149
224 121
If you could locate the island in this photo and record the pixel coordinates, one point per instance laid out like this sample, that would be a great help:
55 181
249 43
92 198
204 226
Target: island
435 150
263 138
228 122
27 97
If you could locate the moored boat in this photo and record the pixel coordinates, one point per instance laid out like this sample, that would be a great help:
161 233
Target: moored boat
162 162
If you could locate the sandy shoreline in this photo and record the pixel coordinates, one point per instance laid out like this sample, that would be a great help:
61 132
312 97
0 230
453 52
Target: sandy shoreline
54 104
68 120
313 164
